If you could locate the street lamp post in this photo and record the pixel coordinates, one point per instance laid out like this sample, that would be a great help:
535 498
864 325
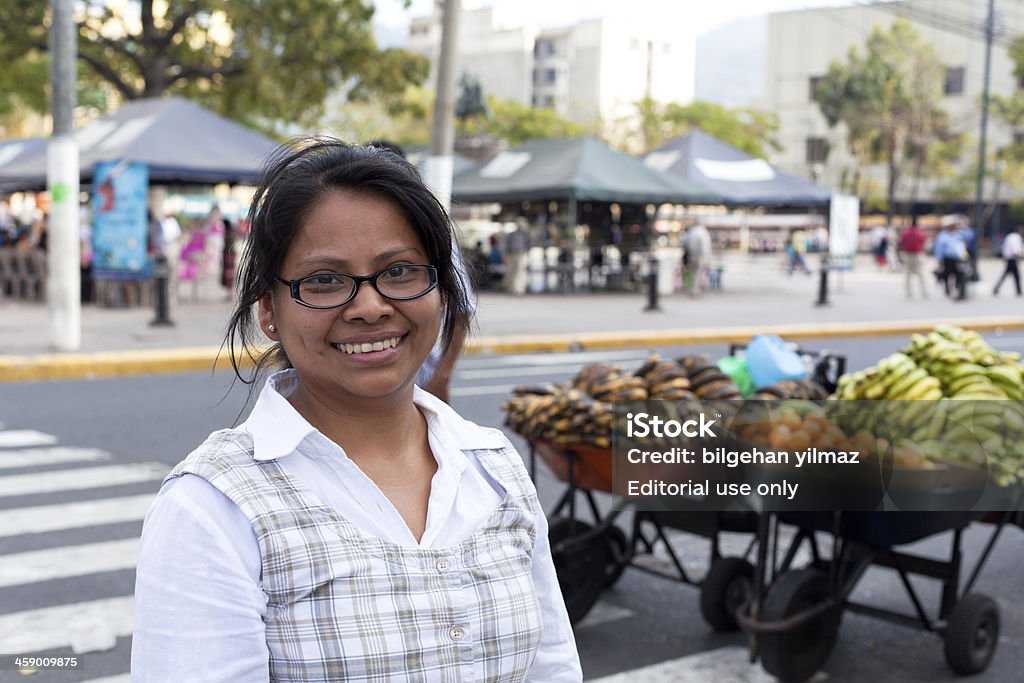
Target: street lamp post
63 260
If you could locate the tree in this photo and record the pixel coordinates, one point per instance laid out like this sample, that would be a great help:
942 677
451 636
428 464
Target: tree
516 123
259 62
889 99
654 123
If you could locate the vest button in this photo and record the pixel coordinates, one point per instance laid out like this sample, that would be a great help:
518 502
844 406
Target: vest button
443 566
456 633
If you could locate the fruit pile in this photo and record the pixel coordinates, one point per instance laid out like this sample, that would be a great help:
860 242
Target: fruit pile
949 362
799 425
983 428
580 411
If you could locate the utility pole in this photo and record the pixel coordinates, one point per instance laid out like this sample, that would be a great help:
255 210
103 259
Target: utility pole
441 162
63 286
979 193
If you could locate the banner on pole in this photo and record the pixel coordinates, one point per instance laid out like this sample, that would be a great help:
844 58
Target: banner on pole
843 231
120 225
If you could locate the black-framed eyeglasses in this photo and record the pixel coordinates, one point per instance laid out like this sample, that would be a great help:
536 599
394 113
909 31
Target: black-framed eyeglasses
330 290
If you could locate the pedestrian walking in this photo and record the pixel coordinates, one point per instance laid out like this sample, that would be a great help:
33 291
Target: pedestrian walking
696 257
1013 246
796 249
517 245
951 254
354 527
880 246
911 245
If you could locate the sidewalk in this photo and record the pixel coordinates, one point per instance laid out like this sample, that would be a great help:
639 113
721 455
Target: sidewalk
757 297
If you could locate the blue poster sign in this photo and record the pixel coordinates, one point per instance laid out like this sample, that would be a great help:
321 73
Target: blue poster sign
119 227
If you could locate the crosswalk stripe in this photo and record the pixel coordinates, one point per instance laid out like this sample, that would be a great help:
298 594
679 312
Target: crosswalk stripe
80 626
19 438
43 518
485 390
603 613
83 478
67 561
725 665
491 373
29 457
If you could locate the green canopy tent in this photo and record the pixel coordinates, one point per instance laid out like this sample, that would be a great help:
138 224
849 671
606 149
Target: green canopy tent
576 177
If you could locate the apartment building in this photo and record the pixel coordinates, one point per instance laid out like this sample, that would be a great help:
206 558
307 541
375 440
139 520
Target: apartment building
589 72
801 45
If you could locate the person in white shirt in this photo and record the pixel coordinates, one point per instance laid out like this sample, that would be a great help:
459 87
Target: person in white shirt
354 527
1013 246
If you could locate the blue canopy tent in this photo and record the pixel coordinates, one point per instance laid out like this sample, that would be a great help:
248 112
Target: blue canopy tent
737 177
179 142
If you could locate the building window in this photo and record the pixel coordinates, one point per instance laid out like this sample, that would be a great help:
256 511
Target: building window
813 86
536 75
1018 139
550 76
1020 81
552 49
954 80
548 102
817 150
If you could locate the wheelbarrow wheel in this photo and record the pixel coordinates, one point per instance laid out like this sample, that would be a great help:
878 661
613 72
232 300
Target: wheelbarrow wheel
576 549
728 586
972 634
618 555
795 655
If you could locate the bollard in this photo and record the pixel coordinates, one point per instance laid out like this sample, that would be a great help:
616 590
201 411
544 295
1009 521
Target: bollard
823 284
652 287
161 273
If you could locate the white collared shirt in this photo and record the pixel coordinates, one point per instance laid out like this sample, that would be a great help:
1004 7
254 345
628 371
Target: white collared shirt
204 612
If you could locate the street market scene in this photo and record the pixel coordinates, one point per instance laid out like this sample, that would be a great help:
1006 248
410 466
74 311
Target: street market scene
487 340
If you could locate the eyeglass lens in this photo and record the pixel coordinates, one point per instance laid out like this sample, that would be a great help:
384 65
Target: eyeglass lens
397 282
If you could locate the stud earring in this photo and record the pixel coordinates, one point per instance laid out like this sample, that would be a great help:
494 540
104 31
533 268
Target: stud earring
271 328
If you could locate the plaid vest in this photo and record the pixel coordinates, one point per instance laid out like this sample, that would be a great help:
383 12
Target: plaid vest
346 606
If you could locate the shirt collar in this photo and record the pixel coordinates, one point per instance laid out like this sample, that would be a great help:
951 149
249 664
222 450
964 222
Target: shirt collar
277 428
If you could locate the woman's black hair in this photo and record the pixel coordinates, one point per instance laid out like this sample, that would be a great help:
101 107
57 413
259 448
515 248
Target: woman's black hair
295 177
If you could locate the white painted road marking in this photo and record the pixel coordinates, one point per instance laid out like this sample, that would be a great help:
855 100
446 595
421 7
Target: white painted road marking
20 438
82 478
65 562
28 457
725 665
43 518
73 625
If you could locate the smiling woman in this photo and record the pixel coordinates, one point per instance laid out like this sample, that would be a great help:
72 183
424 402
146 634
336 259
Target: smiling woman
354 527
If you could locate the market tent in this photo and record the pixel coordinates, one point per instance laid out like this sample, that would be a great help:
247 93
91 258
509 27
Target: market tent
418 156
178 140
580 169
739 178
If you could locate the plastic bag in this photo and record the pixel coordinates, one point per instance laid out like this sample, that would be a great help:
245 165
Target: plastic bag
736 367
770 361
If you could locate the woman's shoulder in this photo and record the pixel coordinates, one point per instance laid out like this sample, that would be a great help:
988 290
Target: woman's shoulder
223 449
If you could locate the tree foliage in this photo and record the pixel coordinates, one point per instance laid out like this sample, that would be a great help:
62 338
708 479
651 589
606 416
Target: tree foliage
257 61
654 124
516 123
889 98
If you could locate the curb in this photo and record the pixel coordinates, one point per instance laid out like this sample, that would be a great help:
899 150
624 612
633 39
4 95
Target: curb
192 359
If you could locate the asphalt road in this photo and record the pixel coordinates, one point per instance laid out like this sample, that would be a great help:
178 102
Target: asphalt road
67 564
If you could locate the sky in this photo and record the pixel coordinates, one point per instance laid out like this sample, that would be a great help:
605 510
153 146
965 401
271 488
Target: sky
693 17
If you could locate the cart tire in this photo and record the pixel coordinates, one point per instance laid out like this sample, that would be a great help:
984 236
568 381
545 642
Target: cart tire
728 586
576 549
972 634
618 551
794 656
